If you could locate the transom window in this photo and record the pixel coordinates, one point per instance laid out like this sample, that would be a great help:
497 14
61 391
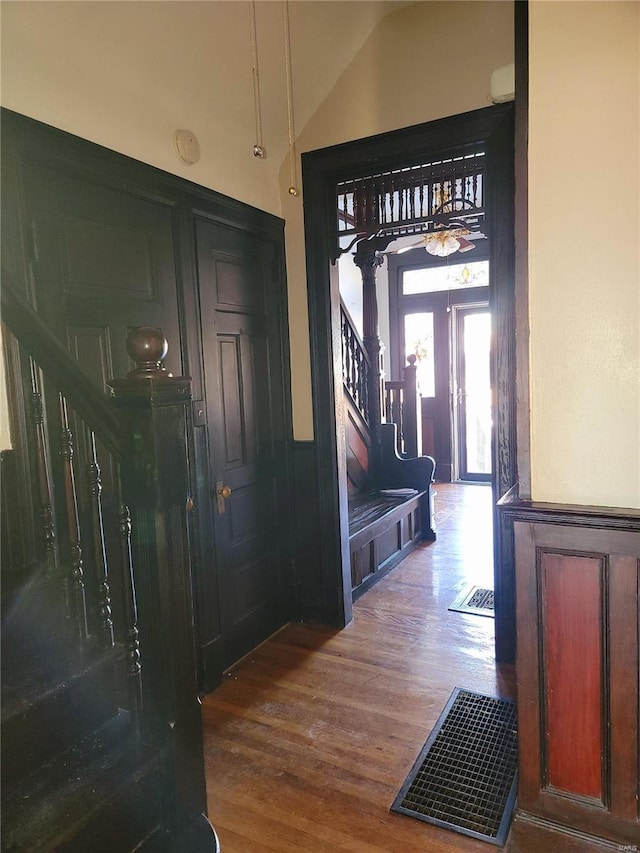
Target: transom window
446 277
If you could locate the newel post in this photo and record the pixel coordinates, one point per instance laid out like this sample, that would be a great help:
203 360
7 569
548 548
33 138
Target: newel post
411 413
152 411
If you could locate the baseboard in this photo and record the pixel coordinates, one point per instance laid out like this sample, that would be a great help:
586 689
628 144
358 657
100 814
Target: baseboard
532 834
210 666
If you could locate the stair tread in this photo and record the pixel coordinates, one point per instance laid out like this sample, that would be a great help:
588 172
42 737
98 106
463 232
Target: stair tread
37 682
51 804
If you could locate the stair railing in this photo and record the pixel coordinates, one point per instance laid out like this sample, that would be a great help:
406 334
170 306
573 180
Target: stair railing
355 364
147 442
402 408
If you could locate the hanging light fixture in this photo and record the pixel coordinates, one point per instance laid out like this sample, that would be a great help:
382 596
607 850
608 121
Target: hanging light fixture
445 243
293 188
258 148
442 244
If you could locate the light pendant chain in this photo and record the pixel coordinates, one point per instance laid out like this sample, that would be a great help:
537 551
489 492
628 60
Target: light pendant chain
258 148
293 189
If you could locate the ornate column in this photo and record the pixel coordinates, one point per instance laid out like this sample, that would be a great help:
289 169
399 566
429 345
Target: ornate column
367 258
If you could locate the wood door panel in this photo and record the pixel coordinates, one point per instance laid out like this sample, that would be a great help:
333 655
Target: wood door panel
243 372
230 382
250 516
103 257
233 283
233 263
251 587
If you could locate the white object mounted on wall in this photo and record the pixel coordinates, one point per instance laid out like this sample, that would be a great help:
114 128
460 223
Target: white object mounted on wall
187 146
503 84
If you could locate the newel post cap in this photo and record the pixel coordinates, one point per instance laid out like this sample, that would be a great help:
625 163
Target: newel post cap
147 347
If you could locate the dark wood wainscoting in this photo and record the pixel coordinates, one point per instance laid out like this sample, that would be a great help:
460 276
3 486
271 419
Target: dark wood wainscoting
307 562
577 577
358 441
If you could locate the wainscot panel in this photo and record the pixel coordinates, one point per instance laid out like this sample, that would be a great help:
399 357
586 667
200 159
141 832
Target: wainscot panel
577 580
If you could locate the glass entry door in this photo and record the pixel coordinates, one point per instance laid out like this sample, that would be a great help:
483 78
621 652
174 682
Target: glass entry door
472 392
427 319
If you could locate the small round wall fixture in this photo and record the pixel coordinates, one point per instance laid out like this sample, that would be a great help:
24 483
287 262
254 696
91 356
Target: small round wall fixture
187 146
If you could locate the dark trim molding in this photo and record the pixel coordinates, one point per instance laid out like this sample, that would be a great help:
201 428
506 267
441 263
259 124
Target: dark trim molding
306 541
601 517
521 224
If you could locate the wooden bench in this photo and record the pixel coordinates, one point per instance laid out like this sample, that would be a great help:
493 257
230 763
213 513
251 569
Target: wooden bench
388 522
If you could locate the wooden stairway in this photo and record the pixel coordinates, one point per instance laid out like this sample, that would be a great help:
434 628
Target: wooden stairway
101 729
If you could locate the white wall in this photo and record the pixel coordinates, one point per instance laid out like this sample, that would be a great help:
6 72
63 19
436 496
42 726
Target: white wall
128 74
423 62
584 258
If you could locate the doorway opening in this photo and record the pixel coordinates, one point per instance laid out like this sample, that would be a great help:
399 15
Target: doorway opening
440 314
323 170
471 342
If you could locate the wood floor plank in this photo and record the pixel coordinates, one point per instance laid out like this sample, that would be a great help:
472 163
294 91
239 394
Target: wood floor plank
310 737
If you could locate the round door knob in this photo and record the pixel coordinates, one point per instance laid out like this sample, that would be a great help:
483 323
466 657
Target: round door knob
225 491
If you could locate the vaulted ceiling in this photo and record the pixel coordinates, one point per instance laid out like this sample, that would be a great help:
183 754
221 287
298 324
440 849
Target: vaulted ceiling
185 59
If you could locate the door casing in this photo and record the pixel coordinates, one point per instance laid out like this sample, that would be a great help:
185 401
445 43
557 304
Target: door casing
494 128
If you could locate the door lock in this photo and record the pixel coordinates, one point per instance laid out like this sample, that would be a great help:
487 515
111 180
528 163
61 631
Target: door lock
222 493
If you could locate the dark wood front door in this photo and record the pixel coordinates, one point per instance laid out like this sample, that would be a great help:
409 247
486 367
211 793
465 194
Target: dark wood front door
243 366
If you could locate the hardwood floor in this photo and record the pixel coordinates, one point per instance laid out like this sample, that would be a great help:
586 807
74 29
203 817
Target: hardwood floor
310 737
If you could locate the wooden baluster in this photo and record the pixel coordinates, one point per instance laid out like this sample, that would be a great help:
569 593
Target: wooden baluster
76 576
358 387
348 357
361 381
49 548
99 551
357 390
365 387
347 362
357 208
412 196
134 666
355 362
343 348
357 368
